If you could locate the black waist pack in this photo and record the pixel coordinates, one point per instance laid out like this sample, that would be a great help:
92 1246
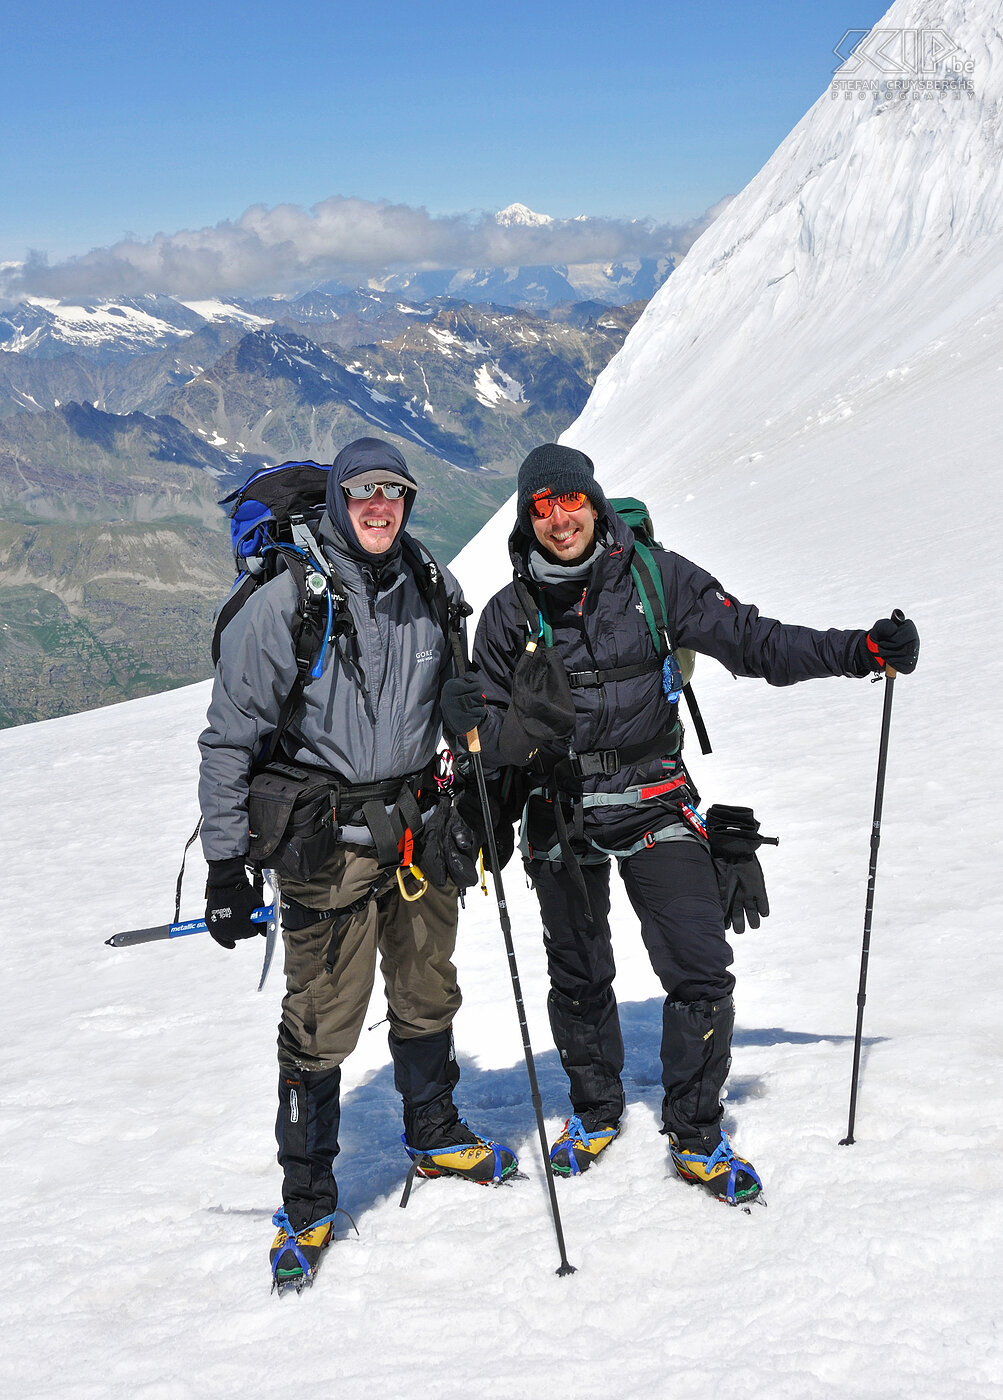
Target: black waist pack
291 818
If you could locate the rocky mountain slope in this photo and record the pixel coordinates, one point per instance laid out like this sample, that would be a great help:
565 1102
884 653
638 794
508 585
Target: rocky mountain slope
119 434
111 557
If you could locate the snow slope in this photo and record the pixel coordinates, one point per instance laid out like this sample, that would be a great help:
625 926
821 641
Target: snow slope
829 449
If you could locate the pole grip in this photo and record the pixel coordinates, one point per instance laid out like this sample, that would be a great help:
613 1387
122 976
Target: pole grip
473 741
897 616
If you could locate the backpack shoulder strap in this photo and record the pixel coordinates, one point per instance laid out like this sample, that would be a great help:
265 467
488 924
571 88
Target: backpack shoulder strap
648 581
432 583
239 595
312 628
534 612
322 615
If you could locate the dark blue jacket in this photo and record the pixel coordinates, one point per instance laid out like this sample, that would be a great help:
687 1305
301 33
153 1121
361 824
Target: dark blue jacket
598 624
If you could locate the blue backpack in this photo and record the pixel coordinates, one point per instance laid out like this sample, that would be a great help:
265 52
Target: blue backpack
274 518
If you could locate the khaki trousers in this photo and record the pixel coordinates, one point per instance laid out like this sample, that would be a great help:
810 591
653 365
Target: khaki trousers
323 1012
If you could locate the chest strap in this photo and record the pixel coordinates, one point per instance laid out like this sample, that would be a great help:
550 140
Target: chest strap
579 680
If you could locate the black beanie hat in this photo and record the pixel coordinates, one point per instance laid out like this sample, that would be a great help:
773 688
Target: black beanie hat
557 469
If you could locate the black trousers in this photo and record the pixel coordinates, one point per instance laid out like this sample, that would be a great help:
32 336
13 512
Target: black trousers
673 890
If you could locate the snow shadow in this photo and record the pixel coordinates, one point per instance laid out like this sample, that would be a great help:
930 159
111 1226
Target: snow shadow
496 1102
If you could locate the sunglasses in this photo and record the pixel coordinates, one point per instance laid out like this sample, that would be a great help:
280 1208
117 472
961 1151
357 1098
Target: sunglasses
543 506
392 490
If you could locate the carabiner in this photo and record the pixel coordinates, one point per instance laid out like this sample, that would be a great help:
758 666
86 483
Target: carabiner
417 876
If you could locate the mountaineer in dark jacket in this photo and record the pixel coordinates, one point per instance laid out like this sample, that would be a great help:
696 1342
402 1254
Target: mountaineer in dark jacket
369 725
610 782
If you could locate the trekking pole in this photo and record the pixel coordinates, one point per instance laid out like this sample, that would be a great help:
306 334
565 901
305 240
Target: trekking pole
879 793
474 745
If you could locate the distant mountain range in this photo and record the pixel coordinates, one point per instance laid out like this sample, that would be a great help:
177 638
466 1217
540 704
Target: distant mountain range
612 284
123 422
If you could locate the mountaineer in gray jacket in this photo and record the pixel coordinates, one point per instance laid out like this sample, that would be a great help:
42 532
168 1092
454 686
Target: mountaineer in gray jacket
369 725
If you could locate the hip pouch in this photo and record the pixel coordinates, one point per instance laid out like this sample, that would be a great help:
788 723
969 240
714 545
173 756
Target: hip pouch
291 818
541 712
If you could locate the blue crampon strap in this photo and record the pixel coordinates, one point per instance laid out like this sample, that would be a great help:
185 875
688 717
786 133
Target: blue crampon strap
574 1128
281 1221
496 1175
724 1152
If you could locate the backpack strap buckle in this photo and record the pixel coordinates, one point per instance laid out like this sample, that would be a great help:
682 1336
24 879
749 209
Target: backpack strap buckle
600 762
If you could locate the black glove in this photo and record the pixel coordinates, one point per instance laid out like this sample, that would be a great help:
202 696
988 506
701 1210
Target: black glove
462 704
468 805
462 845
733 833
449 848
892 641
231 899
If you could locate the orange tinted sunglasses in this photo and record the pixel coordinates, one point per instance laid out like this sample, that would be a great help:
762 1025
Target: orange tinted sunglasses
542 506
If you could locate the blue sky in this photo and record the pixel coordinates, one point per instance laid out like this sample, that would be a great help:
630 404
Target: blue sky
120 120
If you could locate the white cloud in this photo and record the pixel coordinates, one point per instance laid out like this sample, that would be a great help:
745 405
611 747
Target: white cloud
287 246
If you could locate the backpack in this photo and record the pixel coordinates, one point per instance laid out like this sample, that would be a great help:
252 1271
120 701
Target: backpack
648 582
274 517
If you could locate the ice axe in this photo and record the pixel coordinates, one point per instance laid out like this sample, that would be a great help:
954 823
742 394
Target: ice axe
181 928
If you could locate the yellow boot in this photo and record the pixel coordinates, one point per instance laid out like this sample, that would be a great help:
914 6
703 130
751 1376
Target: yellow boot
295 1256
724 1174
578 1147
460 1152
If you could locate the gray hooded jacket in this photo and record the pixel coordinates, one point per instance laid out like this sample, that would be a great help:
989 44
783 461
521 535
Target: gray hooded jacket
372 714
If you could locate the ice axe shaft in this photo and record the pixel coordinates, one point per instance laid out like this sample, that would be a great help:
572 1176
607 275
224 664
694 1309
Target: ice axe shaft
180 930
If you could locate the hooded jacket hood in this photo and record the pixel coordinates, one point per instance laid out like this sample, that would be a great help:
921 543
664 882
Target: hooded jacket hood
365 455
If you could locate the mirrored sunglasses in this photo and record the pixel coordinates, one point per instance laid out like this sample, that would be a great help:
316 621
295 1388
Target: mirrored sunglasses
392 490
543 506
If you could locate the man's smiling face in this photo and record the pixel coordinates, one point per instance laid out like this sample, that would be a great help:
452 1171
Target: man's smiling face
376 521
567 534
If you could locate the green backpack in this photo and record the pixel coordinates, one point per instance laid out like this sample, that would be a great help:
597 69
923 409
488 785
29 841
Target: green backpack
648 582
544 694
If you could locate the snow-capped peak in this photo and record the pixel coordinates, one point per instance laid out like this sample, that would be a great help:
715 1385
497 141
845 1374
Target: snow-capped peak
521 214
